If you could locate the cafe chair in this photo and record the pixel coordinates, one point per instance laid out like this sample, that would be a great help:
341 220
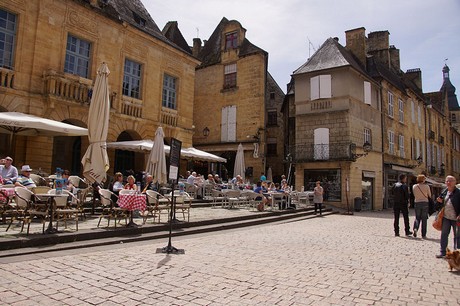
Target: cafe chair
232 198
278 200
217 198
40 189
157 204
184 204
109 209
82 195
254 200
63 210
38 180
76 181
192 190
32 206
19 211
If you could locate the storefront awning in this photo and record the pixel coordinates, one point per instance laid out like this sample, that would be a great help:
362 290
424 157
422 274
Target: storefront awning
435 182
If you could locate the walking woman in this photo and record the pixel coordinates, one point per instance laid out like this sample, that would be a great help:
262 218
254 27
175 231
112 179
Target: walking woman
421 193
318 197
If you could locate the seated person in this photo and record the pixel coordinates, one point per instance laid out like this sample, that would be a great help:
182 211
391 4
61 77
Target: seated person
149 184
8 172
210 180
24 178
118 184
68 185
260 189
217 179
131 185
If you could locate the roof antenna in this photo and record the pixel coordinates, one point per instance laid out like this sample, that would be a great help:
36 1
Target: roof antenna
197 32
310 46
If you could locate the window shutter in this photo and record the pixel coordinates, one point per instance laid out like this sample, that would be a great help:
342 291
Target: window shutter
367 92
314 88
231 123
224 125
325 86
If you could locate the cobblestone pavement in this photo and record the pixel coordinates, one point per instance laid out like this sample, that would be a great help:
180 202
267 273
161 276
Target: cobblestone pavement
337 259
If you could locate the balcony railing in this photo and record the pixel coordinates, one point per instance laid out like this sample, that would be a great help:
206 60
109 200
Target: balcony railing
323 152
6 78
169 117
131 107
67 87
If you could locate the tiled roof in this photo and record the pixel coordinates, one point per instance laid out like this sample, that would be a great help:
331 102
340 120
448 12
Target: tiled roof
377 70
211 51
134 13
330 55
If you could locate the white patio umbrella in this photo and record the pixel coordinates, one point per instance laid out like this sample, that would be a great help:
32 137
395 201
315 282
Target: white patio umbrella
15 123
156 163
95 161
240 167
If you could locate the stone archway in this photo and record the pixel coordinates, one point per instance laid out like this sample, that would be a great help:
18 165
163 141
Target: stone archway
67 152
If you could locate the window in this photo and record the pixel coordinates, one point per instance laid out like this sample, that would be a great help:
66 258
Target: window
138 19
412 105
272 95
321 146
367 136
272 117
230 76
390 105
132 79
401 110
228 125
271 146
320 87
453 118
419 116
367 92
169 92
7 38
391 142
231 41
401 146
77 56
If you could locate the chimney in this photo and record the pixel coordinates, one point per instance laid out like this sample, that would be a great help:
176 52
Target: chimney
356 43
415 75
394 58
196 47
378 44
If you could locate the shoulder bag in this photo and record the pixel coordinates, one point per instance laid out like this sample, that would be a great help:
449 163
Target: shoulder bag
431 209
437 223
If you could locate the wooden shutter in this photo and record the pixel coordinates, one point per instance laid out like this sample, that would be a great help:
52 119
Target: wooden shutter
224 125
314 88
367 92
325 86
231 123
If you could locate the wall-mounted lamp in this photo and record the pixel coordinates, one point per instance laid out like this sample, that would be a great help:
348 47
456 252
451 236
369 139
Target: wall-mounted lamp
443 169
419 160
206 132
256 136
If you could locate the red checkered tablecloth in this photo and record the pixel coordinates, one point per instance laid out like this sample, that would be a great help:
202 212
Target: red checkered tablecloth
132 201
8 192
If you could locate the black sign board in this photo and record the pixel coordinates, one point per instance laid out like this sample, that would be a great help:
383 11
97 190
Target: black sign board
174 159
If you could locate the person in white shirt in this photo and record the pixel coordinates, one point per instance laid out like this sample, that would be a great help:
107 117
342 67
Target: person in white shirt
8 172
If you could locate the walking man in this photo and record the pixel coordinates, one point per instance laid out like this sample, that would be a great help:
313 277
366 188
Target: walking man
401 204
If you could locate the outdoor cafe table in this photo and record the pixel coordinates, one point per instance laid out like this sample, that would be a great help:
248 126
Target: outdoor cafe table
50 197
132 201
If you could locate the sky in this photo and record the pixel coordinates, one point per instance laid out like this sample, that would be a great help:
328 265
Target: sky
427 32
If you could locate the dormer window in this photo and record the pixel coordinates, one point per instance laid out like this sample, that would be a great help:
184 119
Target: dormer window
139 20
231 41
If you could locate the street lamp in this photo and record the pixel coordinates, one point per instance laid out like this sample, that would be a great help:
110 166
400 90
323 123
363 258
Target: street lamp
419 160
443 169
367 147
206 132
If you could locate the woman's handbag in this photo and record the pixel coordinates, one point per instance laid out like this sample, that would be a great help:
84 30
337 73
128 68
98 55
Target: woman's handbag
437 223
431 209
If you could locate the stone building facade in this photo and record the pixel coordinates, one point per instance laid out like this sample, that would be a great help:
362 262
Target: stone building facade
56 49
360 122
233 93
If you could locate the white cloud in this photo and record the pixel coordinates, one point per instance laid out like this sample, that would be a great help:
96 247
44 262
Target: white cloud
426 32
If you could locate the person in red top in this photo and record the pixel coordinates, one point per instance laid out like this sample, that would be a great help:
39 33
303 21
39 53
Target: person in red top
131 185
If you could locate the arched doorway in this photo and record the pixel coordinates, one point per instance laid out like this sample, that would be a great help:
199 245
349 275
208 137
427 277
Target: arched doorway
124 160
227 169
67 151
